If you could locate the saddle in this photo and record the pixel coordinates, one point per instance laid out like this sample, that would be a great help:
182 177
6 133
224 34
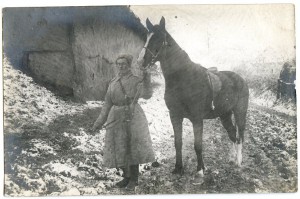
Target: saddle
214 82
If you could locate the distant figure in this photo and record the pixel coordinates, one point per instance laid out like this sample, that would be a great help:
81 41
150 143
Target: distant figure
286 81
127 139
288 73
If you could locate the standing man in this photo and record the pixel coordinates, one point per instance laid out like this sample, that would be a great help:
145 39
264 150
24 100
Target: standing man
127 139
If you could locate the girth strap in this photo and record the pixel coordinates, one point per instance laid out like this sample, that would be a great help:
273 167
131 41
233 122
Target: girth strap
215 85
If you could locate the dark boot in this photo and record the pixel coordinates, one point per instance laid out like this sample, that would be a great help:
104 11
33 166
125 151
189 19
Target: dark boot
123 183
134 175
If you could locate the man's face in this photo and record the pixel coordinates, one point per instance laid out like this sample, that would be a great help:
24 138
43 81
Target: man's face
123 66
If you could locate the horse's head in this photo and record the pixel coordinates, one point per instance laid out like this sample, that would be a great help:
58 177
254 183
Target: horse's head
156 40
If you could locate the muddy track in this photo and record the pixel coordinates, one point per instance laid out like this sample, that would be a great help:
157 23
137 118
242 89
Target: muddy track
265 168
62 158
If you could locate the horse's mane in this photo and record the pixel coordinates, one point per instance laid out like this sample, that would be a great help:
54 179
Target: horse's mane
179 55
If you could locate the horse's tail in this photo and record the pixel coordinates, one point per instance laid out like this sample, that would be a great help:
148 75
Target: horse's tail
241 107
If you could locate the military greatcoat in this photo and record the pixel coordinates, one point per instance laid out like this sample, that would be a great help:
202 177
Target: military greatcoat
113 112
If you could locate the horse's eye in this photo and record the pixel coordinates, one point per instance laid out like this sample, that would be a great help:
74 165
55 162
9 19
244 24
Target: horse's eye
156 51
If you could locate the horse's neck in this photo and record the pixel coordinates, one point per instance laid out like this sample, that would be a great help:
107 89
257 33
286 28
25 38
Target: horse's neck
174 59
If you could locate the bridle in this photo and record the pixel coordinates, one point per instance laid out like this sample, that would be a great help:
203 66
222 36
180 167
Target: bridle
154 56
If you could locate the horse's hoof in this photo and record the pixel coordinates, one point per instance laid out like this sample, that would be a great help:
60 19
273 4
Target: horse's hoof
199 178
239 155
200 173
178 171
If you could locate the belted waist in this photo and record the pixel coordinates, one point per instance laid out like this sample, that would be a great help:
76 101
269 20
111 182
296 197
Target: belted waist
122 104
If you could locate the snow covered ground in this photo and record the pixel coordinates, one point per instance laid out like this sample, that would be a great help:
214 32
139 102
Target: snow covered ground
24 100
48 150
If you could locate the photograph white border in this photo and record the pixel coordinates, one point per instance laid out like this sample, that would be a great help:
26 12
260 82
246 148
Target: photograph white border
54 3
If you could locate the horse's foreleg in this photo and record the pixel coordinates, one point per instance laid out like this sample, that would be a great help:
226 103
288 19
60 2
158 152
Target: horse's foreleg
177 127
198 134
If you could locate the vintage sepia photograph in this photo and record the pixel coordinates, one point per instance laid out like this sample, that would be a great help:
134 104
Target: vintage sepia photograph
149 100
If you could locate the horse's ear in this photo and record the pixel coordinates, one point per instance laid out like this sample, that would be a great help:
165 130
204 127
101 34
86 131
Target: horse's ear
162 23
149 25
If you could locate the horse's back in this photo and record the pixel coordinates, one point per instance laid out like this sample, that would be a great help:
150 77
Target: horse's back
237 83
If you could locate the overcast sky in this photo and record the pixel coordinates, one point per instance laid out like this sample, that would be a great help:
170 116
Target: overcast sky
220 35
228 35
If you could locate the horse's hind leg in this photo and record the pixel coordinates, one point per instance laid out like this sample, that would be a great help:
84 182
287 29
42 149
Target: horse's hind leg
240 112
226 120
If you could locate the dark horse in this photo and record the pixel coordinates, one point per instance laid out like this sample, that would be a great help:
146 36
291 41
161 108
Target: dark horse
188 93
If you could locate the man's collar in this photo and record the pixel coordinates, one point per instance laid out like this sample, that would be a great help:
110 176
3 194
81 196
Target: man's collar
126 76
